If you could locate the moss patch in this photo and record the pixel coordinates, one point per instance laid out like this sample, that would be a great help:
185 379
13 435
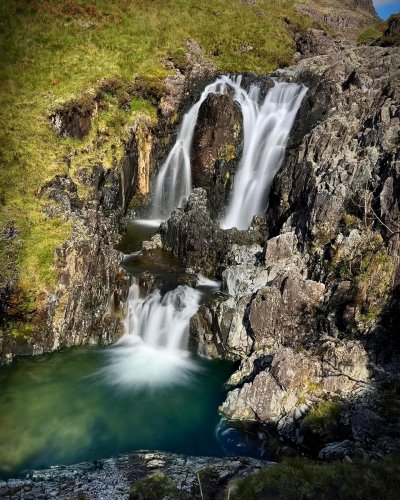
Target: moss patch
322 416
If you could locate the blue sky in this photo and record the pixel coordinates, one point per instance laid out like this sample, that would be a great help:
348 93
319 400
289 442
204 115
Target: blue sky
385 8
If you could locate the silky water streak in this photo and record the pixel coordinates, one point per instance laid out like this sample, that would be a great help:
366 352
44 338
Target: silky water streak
153 351
266 130
174 181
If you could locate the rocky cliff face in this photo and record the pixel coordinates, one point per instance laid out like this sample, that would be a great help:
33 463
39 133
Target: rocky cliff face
310 290
86 305
345 18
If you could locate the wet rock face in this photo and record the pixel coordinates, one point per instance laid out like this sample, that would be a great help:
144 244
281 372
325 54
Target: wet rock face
193 236
216 149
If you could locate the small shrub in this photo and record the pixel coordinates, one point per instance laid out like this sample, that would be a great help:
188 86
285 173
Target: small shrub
369 35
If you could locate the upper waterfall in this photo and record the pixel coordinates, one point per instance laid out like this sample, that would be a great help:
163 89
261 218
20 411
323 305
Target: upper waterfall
266 130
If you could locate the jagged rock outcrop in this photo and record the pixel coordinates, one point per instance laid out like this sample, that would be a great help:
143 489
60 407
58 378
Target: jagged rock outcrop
86 305
216 149
345 18
306 300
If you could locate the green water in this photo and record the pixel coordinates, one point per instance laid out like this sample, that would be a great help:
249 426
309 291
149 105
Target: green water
57 409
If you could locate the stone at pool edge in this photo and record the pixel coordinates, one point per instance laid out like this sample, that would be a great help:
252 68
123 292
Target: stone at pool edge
115 476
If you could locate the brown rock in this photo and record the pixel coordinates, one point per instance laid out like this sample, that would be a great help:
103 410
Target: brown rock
216 142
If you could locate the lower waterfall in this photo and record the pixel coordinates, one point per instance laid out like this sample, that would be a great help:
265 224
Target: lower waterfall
153 351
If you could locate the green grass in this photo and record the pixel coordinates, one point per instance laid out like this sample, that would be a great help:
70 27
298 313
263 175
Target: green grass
298 479
324 414
51 50
369 35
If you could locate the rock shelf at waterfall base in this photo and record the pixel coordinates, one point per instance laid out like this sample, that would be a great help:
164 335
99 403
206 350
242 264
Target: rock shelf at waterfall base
174 475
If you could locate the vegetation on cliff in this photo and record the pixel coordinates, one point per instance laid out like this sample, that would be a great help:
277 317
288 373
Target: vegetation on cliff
383 33
52 51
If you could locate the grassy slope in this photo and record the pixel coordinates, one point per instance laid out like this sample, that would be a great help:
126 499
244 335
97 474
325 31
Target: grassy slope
298 479
51 49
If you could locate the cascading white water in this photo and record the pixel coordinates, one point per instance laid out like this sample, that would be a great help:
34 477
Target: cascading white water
174 181
266 131
153 351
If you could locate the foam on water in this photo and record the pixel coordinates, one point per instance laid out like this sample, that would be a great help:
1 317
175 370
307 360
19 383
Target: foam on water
153 351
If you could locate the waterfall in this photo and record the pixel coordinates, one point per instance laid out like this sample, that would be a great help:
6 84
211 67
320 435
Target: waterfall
174 181
153 351
266 129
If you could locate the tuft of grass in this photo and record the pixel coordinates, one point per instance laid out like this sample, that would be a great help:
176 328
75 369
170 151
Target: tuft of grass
299 479
154 487
143 106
